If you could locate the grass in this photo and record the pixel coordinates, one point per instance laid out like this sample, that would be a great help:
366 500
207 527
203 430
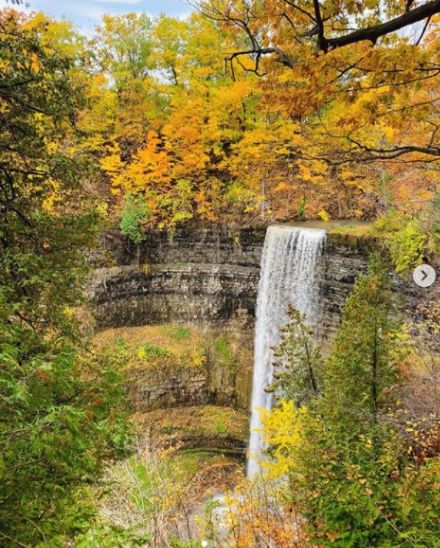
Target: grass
169 346
347 227
223 351
149 494
177 332
354 229
190 462
206 420
155 346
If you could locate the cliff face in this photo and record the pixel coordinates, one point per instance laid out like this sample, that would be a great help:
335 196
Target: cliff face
209 278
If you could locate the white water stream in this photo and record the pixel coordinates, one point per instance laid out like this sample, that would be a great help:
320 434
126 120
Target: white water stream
290 272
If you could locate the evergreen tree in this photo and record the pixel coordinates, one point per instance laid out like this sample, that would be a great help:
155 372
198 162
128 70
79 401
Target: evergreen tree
134 214
352 453
362 369
298 362
344 455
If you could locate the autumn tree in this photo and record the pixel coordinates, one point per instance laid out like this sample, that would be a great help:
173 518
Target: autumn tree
312 51
360 81
298 141
209 140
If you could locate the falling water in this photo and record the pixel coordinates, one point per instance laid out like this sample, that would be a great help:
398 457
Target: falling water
290 272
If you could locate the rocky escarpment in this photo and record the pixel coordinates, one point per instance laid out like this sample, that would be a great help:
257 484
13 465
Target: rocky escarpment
214 381
209 277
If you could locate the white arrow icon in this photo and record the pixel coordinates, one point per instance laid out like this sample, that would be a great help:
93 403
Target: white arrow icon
424 275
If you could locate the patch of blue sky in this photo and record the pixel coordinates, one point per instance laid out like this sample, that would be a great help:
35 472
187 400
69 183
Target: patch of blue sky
85 14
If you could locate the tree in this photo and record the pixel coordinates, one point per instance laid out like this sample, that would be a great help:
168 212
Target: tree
362 369
134 214
317 56
229 144
125 47
61 407
298 363
348 464
322 24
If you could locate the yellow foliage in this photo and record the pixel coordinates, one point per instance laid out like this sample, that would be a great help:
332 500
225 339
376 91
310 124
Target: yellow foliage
282 427
323 215
278 146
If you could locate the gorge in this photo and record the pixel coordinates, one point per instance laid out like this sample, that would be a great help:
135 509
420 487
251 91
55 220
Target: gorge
207 278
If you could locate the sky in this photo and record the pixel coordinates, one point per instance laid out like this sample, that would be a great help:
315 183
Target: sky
86 13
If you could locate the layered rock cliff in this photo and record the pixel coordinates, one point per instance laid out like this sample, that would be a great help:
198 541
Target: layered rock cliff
209 277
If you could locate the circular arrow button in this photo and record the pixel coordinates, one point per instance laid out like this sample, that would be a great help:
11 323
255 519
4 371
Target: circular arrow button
424 275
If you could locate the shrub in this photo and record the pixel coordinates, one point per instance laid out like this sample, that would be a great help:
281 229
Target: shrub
407 247
149 350
177 332
223 351
134 214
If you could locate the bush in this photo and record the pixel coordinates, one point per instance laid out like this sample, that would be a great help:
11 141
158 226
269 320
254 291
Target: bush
134 214
407 247
223 351
149 350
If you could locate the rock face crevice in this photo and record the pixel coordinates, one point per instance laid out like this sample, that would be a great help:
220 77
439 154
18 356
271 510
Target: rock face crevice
209 277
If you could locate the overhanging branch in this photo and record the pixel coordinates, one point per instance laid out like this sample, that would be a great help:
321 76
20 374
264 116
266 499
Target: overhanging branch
373 33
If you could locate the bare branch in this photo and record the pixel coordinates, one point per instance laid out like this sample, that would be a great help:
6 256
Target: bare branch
424 11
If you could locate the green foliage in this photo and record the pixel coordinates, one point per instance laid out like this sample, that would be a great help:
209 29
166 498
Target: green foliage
223 350
407 247
407 240
388 223
362 369
419 500
107 535
302 208
168 347
177 332
220 427
135 213
146 494
62 408
148 350
59 422
434 223
350 472
298 362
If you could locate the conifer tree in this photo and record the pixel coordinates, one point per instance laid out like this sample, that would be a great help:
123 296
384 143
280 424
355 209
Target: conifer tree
352 453
343 455
298 361
362 369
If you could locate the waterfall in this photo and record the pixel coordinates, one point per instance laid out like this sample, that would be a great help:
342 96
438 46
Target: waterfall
290 272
